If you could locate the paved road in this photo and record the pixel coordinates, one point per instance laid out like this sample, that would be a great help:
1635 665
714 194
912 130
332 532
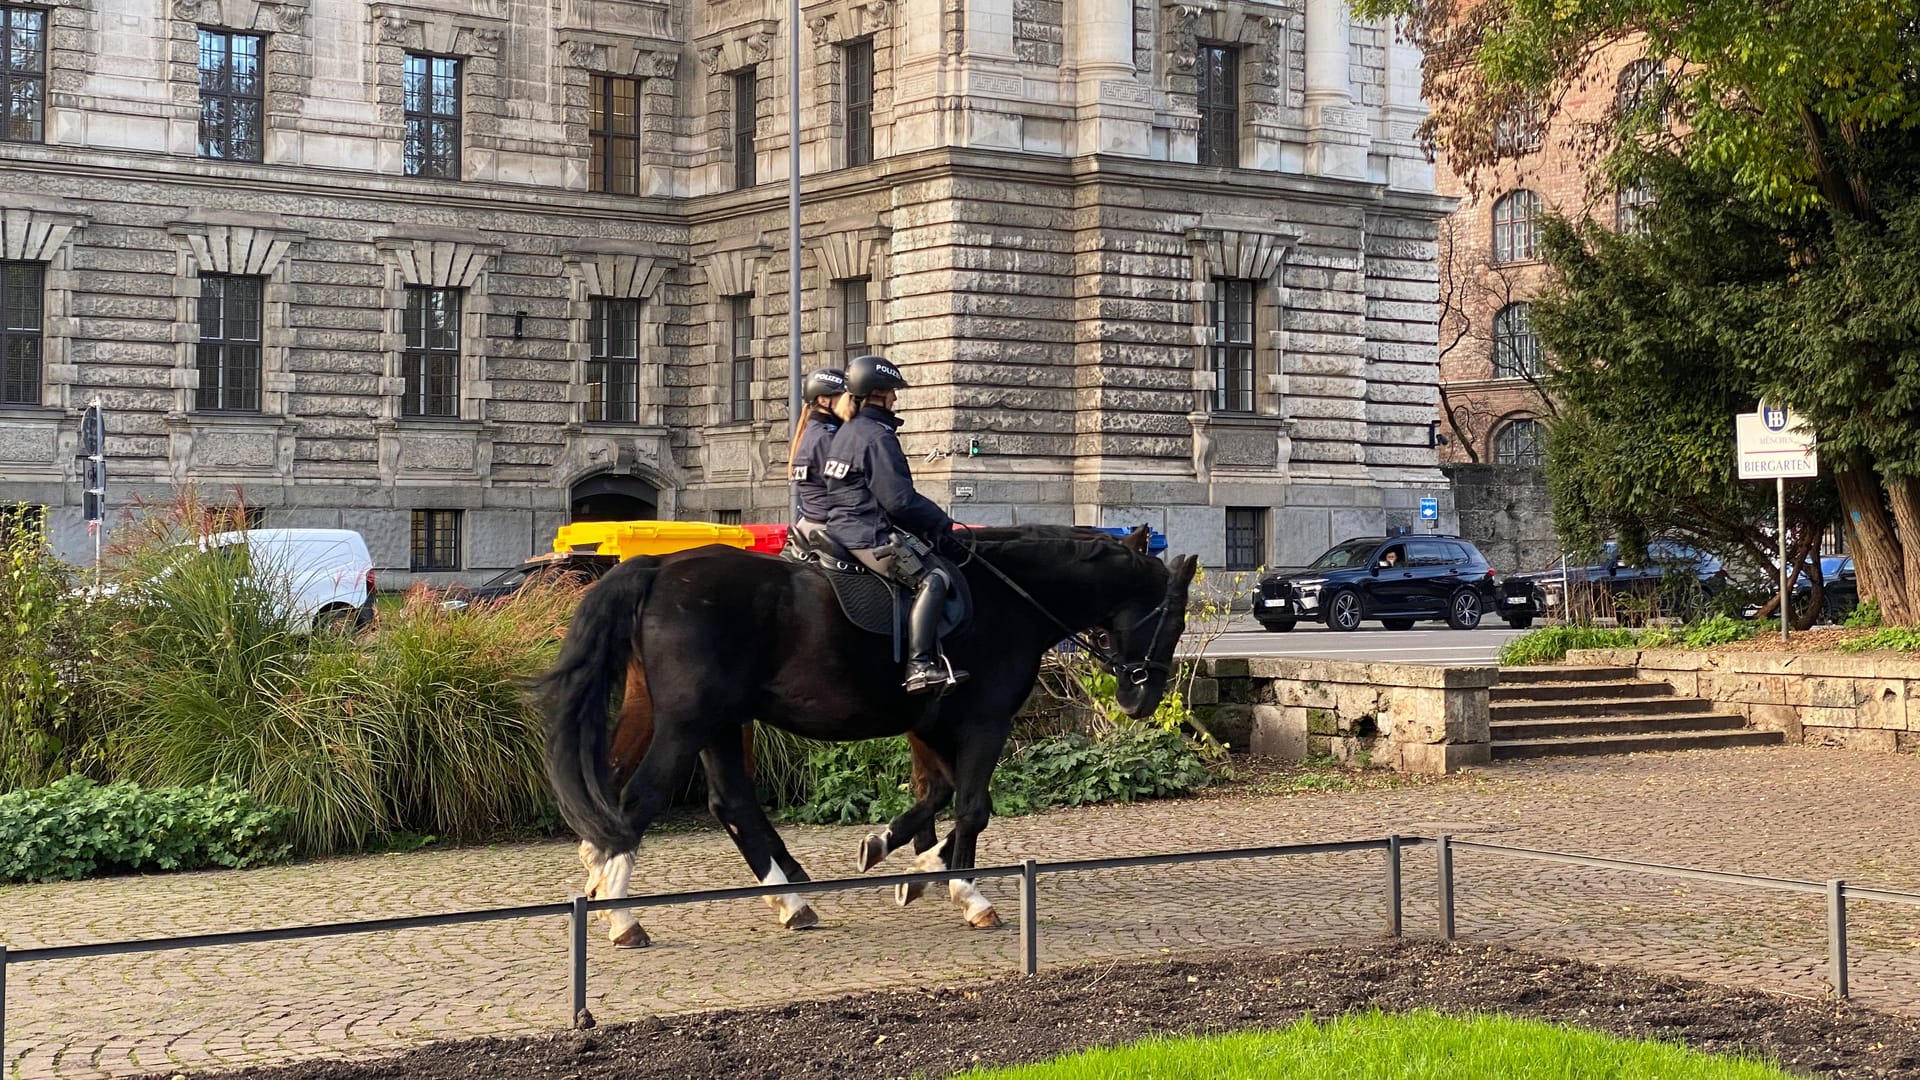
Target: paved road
1426 643
1788 811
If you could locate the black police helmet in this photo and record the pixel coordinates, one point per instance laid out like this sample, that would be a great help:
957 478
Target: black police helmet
872 374
827 382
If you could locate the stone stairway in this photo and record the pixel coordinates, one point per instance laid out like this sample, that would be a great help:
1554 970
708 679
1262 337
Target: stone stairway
1550 711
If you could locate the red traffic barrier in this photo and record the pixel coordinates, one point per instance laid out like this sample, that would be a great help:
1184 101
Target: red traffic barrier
771 539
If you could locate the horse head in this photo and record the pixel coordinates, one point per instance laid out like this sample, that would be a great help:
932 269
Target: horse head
1147 627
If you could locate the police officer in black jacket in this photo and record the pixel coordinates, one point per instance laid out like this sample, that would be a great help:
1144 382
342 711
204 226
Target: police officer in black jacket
808 454
875 513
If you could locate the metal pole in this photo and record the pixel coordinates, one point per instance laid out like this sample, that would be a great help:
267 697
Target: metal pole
1837 935
794 374
1029 917
577 923
3 1007
1444 848
1780 504
1393 885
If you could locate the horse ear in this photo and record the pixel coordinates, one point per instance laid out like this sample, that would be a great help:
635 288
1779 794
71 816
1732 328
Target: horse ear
1183 569
1136 541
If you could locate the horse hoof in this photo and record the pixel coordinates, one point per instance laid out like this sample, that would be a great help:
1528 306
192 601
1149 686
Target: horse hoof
872 850
634 938
986 920
804 919
907 894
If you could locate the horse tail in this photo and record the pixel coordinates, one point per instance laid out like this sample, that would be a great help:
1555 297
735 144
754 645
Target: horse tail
602 640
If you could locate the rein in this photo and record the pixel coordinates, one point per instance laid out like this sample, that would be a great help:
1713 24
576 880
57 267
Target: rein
1135 672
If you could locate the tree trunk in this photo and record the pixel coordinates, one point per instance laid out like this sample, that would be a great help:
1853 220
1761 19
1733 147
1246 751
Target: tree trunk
1904 495
1877 555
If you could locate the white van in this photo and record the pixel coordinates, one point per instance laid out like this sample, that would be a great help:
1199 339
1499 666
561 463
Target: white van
322 577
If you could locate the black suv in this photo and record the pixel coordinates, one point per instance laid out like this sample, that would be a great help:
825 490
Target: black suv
570 567
1398 580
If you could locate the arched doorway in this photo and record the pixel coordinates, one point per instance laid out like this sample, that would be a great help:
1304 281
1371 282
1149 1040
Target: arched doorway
614 498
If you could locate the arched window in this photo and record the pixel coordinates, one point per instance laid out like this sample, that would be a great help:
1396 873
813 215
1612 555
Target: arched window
1518 443
1643 84
1630 205
1516 348
1516 227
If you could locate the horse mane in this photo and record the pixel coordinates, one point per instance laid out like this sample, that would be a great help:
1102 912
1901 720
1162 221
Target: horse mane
1082 544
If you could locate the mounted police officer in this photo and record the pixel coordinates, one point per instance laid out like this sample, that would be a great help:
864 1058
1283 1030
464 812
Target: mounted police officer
875 513
821 393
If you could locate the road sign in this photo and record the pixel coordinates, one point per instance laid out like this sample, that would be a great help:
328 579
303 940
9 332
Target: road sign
1775 445
1429 509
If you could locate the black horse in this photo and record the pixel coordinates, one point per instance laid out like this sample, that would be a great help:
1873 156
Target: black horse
712 639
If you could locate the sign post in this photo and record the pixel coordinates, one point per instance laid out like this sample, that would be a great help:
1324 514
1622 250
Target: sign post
1430 513
1774 445
93 476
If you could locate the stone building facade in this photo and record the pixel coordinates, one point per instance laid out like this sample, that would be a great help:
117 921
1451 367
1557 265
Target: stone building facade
449 272
1492 401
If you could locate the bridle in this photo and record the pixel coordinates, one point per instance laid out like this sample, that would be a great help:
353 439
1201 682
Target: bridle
1133 672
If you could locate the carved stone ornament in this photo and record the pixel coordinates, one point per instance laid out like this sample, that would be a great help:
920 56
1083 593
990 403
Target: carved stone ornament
1273 52
879 14
198 11
710 58
282 18
759 45
656 64
1183 46
395 29
584 54
822 27
486 40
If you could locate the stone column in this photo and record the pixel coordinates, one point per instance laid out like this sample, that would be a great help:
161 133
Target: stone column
1115 108
1408 167
1337 131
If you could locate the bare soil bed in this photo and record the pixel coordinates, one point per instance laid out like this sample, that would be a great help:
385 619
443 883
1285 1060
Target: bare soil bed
936 1032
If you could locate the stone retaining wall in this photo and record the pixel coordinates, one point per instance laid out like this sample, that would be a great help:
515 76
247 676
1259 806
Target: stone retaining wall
1415 718
1824 699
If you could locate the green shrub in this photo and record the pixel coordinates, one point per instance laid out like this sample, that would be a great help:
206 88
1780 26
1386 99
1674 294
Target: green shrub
871 781
1552 643
1864 616
48 633
1718 630
76 828
1899 638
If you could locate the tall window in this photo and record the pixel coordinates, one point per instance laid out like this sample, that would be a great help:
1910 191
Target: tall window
1516 348
1630 206
613 372
1520 130
232 95
1516 227
614 135
1232 314
229 352
1518 443
1246 537
20 309
436 540
1643 85
726 517
857 58
853 305
432 359
430 88
740 348
1218 72
23 74
746 113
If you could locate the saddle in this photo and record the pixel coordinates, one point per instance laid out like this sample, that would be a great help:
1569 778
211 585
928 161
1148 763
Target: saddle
873 603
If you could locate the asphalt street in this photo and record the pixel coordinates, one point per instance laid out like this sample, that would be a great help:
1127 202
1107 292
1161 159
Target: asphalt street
1426 643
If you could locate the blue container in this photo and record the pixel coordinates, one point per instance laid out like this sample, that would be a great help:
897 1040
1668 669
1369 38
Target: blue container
1156 540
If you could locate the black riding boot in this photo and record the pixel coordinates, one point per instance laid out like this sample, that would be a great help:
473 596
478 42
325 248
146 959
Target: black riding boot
926 670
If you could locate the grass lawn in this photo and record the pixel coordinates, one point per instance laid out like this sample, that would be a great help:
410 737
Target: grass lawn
1413 1046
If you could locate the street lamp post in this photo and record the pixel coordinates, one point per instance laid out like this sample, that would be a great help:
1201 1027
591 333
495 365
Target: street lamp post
793 240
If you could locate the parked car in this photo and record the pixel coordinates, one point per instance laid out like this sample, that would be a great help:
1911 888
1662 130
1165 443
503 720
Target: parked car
1398 580
556 567
1840 590
317 578
1674 574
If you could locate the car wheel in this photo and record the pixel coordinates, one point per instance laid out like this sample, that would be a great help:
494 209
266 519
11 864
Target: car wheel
1278 626
1397 624
1343 610
338 619
364 617
1520 622
1463 611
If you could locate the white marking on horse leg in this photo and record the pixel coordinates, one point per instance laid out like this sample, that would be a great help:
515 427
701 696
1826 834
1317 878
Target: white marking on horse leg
978 909
793 911
590 858
924 863
616 874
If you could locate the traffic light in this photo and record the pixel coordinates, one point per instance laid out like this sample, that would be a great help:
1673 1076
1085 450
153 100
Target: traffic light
973 446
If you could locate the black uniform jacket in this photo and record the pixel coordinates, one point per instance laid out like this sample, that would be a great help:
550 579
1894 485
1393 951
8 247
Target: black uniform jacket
810 468
870 488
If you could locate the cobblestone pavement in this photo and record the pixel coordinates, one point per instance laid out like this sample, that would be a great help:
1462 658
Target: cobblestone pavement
1786 811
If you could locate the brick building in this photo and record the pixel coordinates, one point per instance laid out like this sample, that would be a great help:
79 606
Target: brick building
449 272
1492 402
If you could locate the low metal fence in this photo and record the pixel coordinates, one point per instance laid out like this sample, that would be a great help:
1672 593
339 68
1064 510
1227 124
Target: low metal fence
580 909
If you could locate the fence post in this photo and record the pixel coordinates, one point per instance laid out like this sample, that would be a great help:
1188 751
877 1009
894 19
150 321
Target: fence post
1837 935
1029 917
1444 848
3 1006
1393 885
577 952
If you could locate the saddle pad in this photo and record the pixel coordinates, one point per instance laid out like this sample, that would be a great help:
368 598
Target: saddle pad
873 605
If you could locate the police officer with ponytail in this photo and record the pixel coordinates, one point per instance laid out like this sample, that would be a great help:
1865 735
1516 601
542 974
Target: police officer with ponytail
820 395
875 513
